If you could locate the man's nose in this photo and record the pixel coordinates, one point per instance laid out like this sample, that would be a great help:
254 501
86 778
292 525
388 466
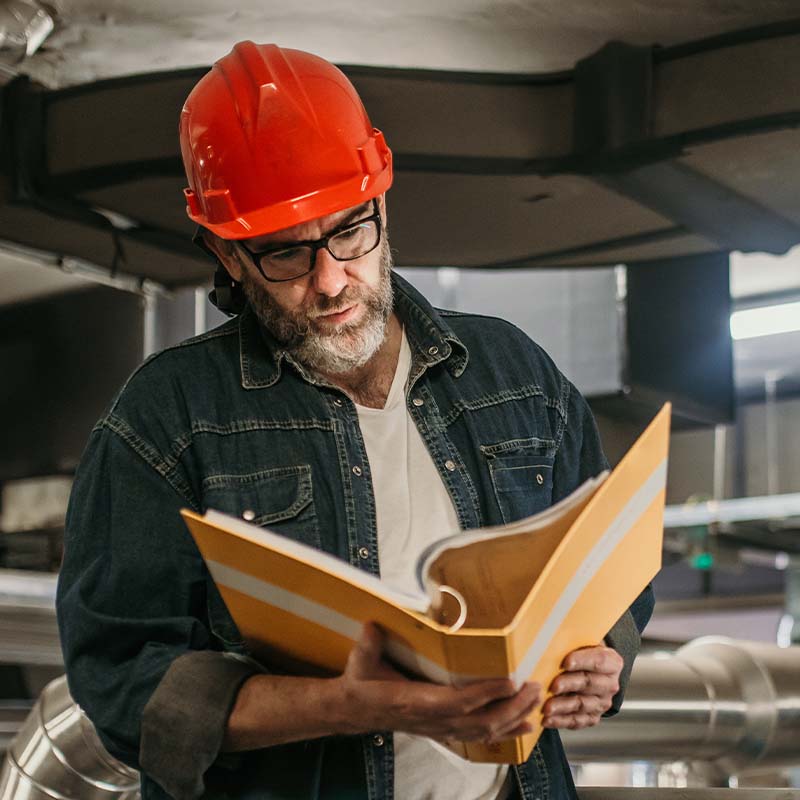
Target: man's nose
329 275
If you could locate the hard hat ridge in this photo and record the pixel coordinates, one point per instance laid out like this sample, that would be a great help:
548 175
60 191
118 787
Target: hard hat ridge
254 76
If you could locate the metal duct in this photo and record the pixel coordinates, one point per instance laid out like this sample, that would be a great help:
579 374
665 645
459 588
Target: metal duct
736 704
57 755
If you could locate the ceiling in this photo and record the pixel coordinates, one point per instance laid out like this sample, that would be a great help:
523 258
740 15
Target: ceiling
109 38
519 159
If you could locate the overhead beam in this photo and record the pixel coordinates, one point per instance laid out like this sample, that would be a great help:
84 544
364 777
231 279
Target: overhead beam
704 206
615 114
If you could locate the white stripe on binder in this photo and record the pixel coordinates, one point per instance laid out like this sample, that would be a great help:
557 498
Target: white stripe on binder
613 535
321 615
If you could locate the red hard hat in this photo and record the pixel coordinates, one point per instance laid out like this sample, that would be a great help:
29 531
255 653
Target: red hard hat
271 138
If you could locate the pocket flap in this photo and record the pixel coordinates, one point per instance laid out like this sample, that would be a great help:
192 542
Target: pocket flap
264 497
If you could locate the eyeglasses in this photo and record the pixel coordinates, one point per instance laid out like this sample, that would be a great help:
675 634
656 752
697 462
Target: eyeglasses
286 262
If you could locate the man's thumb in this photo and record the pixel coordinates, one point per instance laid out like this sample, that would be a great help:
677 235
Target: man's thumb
369 647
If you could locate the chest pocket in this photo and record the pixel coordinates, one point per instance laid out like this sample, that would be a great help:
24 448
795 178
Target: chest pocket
280 499
522 475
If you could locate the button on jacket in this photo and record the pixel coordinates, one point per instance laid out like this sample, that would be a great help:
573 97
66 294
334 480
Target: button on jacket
229 421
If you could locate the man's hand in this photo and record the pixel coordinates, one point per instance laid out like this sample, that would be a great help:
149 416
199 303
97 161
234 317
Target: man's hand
381 698
583 692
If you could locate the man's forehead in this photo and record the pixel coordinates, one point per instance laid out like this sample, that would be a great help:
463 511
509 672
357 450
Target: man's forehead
312 229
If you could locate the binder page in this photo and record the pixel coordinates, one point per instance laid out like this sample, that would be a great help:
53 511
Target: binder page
495 568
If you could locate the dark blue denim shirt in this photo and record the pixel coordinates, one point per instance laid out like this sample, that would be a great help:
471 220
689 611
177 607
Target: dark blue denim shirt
228 421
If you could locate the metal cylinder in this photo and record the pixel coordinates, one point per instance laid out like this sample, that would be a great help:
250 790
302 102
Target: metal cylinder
57 755
733 703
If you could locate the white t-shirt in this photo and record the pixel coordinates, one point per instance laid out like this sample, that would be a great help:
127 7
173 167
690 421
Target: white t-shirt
414 509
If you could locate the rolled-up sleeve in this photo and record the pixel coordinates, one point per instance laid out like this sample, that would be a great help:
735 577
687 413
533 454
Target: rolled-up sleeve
132 613
178 747
626 638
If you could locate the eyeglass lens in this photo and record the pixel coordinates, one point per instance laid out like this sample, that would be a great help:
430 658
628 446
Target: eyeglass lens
350 243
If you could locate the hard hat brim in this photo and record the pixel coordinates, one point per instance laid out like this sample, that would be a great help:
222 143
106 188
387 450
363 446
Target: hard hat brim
295 211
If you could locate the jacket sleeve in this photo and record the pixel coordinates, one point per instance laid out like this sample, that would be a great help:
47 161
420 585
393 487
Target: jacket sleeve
581 454
132 612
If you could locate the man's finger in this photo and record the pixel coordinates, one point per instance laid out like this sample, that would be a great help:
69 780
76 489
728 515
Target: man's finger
571 704
520 729
371 638
571 721
476 695
583 682
594 659
508 730
495 719
367 651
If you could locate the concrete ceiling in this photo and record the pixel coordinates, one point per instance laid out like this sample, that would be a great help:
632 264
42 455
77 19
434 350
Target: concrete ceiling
107 38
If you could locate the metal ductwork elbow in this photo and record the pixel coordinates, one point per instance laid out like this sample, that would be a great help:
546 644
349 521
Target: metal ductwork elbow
57 755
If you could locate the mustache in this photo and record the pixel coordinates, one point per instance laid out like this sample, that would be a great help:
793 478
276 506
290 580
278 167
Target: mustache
332 305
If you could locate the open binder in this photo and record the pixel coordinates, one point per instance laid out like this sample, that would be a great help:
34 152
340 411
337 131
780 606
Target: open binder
506 601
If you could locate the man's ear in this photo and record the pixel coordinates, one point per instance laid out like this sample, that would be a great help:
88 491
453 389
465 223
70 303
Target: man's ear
225 253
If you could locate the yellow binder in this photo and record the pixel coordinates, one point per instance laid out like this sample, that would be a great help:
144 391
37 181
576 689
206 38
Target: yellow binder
533 590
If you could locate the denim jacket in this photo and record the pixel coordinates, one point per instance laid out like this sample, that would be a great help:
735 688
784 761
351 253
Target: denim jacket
229 421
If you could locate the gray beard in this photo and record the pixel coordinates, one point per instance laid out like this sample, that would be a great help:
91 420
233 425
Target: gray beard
350 346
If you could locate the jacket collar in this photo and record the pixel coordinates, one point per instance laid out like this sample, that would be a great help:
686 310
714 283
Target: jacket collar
432 340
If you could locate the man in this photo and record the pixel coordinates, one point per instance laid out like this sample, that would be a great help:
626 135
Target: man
340 409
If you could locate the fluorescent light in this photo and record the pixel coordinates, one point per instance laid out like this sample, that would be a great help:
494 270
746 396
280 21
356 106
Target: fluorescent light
751 322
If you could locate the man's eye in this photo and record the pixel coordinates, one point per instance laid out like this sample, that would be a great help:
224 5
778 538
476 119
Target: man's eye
350 233
289 254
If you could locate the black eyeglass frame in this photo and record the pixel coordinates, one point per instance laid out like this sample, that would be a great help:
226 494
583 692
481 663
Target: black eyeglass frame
316 245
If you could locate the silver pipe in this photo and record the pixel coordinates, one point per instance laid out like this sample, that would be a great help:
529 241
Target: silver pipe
771 424
736 509
85 269
57 755
19 587
735 704
720 457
